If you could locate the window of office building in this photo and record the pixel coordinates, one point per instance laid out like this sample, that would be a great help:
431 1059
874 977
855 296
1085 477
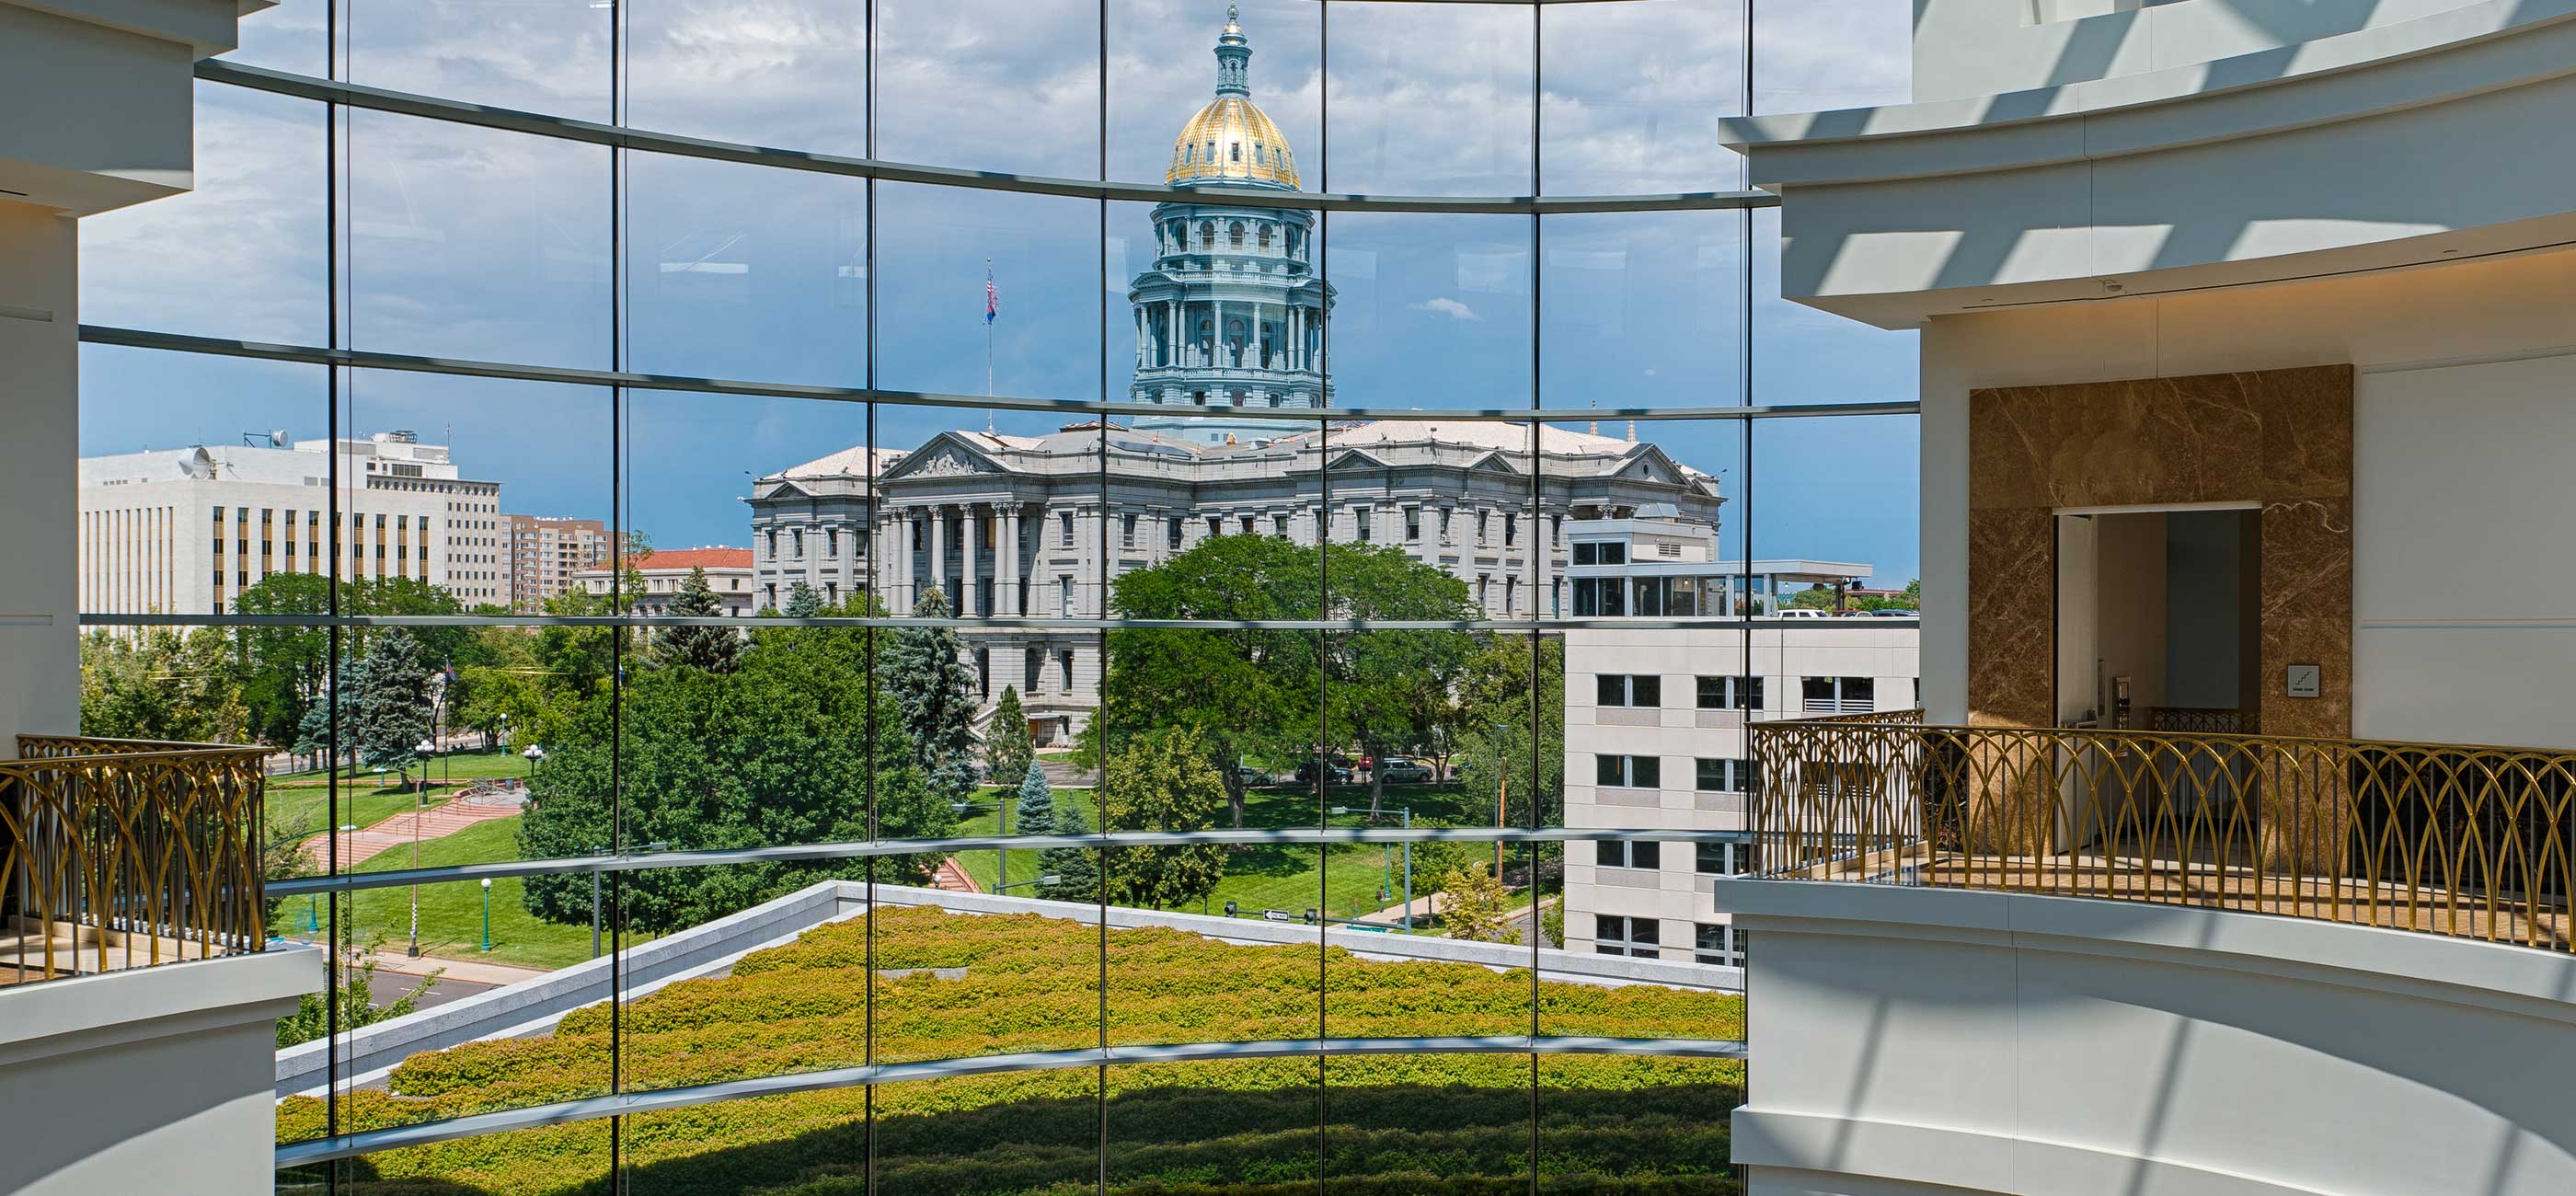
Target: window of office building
1616 935
1730 693
1636 772
1719 944
1629 689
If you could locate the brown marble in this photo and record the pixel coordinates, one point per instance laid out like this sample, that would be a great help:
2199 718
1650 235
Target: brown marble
2280 438
2012 617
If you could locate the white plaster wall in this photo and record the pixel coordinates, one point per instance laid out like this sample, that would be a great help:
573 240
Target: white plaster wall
149 1080
2465 595
1922 1041
39 391
2463 390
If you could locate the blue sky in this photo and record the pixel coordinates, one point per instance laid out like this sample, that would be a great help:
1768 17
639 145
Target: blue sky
471 243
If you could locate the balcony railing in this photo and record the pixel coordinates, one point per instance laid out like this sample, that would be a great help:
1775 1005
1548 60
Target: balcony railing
2458 840
120 853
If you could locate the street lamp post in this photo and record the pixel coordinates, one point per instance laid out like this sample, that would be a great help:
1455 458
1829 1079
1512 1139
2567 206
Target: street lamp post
1001 855
419 808
487 913
1406 814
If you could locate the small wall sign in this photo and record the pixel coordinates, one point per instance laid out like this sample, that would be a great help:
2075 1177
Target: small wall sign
2305 680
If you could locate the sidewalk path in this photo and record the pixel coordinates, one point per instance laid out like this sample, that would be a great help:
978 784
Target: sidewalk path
356 847
469 971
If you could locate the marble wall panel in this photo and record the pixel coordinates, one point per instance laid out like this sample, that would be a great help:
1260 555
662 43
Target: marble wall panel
2281 439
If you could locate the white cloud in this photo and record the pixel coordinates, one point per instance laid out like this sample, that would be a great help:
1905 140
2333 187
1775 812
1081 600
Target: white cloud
1449 307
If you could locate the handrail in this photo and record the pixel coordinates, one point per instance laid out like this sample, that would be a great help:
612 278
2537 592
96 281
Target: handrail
121 853
2444 838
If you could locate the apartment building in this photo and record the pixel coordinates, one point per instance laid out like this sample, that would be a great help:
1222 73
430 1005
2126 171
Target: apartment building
543 556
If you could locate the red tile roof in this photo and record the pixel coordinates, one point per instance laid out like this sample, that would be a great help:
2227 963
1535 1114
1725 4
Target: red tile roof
693 558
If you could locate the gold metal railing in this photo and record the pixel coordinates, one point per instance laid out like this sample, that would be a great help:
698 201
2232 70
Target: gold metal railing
2450 839
2202 720
123 853
1903 718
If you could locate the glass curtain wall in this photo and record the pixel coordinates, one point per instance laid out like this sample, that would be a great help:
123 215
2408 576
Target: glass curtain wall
1001 596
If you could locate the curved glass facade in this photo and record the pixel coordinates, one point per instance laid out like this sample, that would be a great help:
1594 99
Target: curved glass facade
998 596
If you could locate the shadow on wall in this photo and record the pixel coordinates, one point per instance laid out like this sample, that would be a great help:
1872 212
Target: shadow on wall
1258 1135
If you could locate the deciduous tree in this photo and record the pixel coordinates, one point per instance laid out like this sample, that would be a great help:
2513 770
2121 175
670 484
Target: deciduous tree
1477 907
1164 780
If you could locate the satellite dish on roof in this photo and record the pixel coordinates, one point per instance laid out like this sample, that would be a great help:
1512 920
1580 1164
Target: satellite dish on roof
277 438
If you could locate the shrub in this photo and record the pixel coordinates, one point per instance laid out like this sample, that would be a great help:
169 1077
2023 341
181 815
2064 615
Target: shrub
1390 1123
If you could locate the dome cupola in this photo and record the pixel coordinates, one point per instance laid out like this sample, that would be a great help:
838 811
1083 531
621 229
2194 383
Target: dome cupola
1232 141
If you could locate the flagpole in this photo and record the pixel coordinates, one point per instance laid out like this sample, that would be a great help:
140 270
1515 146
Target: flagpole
988 343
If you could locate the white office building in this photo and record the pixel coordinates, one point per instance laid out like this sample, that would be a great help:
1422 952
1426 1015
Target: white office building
1655 717
186 530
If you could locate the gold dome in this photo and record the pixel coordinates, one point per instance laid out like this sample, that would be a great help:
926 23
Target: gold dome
1232 141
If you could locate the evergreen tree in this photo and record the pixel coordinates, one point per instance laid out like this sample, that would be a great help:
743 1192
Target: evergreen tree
715 649
1076 869
803 602
313 731
927 672
1007 750
388 709
1036 807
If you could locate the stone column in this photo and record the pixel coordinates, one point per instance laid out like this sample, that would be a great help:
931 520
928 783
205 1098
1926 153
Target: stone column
893 586
938 551
1006 561
969 576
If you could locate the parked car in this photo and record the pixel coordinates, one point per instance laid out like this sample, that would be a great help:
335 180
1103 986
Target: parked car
1802 612
1403 770
1254 777
1339 771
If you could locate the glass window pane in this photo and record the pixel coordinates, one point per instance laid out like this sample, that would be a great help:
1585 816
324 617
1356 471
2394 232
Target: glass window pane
786 73
1429 311
241 255
293 36
748 272
466 242
938 247
1430 99
1633 93
1641 309
545 57
1819 55
1162 73
1010 85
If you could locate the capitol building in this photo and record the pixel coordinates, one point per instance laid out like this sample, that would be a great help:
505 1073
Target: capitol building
1230 316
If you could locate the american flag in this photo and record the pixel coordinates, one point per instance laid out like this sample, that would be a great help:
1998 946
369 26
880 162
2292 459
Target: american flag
992 294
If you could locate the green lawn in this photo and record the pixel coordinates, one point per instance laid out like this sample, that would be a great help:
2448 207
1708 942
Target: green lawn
451 913
464 764
1274 877
298 801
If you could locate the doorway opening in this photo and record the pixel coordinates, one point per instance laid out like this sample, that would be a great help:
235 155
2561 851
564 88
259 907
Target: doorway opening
2159 619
